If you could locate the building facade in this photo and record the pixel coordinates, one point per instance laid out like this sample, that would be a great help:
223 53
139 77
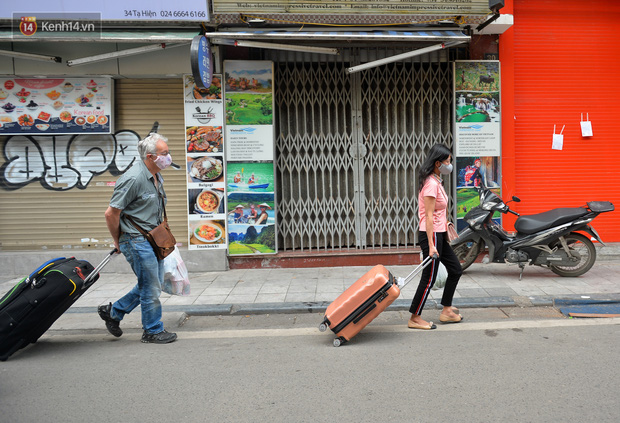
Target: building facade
347 144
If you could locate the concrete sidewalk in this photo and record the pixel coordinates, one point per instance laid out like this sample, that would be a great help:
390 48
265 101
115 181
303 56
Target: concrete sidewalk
303 290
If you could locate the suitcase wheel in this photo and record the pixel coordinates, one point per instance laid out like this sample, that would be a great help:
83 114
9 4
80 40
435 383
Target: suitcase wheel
339 341
323 327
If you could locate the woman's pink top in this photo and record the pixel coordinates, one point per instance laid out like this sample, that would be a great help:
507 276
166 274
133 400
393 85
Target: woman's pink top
433 188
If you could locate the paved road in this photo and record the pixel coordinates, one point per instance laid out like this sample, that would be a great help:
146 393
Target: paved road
508 364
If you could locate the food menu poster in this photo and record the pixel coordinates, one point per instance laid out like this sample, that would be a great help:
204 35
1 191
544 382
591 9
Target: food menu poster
250 182
38 106
477 132
205 147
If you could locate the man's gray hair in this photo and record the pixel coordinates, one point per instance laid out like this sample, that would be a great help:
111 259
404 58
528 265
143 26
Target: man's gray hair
149 144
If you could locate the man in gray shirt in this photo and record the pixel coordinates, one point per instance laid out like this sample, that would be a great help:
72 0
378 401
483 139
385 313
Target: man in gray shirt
139 193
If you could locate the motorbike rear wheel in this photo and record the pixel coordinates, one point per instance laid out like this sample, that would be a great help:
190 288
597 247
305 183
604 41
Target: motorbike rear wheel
467 252
586 250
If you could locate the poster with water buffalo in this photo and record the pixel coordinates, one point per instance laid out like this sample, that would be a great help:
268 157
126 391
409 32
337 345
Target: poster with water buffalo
250 183
477 108
204 147
477 132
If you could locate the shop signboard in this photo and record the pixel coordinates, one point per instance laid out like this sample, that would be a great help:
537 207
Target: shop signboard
200 60
477 130
205 146
250 150
375 7
43 106
114 10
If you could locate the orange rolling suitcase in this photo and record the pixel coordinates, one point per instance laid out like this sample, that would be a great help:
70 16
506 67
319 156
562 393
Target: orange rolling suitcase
364 300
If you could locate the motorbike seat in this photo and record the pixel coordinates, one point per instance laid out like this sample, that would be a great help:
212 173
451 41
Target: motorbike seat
539 222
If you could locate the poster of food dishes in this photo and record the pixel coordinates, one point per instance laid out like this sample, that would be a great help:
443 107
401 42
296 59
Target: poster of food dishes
204 147
477 132
251 207
31 106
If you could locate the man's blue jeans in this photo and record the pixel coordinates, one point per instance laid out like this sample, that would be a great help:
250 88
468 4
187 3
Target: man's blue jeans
150 273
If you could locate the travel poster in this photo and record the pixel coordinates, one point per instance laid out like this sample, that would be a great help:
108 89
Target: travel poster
250 182
477 130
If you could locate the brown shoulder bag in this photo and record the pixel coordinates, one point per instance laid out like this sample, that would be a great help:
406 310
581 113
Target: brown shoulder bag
160 238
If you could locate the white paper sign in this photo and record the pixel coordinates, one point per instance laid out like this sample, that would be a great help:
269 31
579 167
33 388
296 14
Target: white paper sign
586 128
558 141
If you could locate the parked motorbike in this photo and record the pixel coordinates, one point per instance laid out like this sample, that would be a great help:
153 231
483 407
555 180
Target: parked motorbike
549 239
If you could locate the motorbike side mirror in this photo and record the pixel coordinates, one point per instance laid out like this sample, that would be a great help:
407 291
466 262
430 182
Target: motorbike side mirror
516 199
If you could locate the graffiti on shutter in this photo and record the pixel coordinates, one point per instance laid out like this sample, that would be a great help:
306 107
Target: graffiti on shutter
64 162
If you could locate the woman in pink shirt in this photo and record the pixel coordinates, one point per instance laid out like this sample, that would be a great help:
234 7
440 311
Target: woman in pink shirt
433 204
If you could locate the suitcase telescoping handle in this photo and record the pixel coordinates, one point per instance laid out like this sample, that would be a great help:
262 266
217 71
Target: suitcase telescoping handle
101 265
427 260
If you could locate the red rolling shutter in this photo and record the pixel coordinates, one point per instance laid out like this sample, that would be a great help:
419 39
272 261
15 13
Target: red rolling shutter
567 62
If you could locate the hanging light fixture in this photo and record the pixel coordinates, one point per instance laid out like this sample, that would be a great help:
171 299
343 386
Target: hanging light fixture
30 56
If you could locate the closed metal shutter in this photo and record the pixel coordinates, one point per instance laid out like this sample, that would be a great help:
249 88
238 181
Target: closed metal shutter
348 147
566 63
140 103
33 217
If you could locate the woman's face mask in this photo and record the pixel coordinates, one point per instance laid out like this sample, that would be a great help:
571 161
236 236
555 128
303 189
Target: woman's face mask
445 169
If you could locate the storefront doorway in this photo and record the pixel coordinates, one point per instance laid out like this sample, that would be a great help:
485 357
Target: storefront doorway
348 147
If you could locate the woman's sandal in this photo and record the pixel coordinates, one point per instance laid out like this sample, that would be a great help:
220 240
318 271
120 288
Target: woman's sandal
413 325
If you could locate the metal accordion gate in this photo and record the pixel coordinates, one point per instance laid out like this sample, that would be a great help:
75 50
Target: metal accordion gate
348 147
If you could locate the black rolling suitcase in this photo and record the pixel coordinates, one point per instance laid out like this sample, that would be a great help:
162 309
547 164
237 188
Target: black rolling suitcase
37 301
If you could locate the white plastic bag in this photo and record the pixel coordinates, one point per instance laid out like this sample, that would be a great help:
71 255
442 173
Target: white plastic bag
442 277
176 278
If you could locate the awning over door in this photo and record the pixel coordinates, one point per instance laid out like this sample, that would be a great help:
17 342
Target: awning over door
427 41
279 35
155 40
120 36
349 35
